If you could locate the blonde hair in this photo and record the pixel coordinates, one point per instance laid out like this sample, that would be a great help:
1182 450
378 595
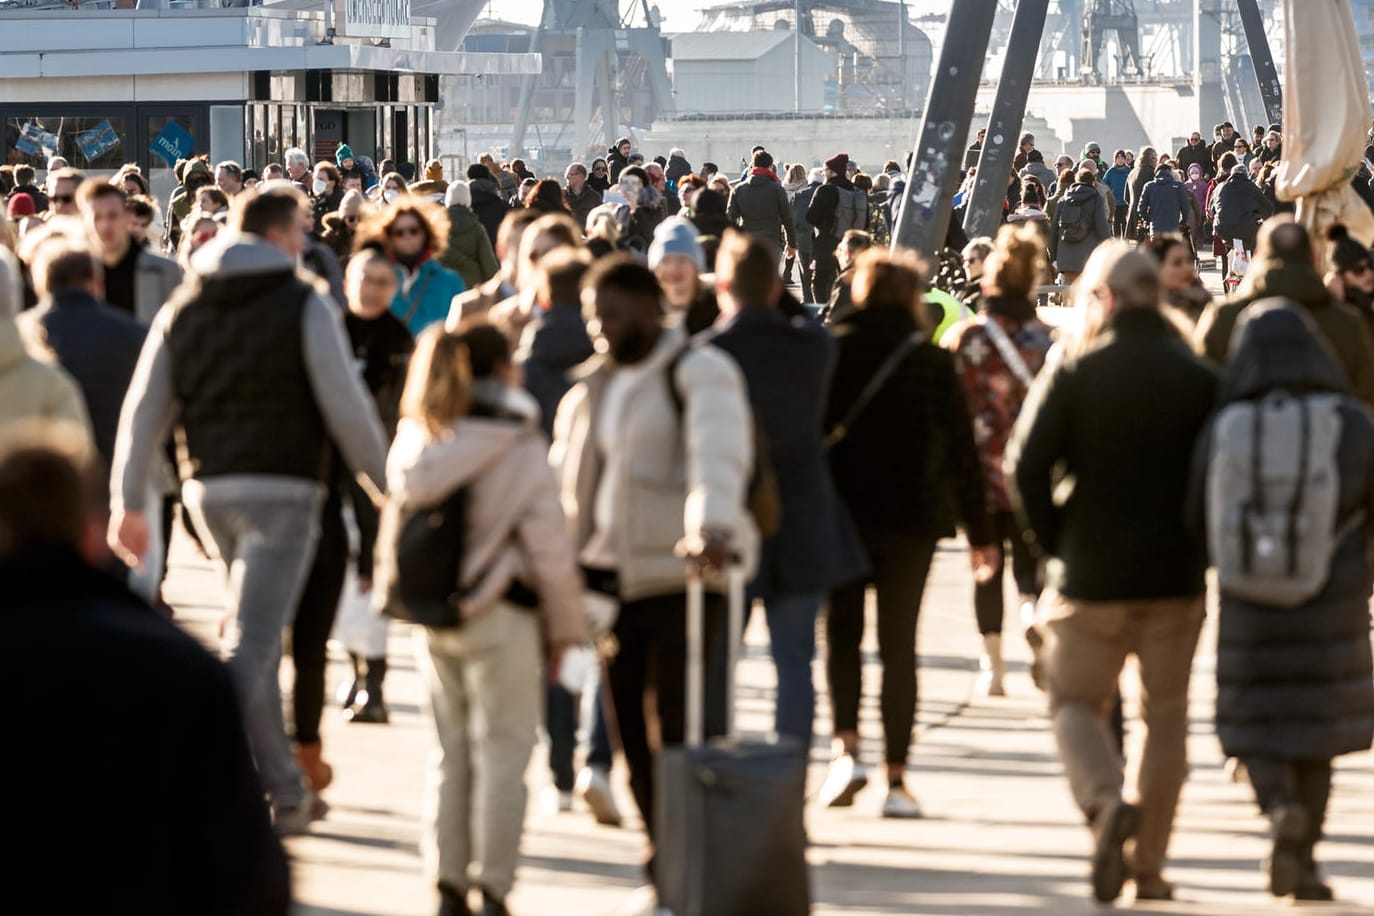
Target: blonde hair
438 385
1017 262
1130 275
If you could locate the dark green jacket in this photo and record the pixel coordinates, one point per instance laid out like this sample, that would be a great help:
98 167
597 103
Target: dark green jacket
1339 323
1115 427
469 250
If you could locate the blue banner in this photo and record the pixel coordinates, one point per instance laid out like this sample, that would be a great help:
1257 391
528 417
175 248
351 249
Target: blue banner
97 141
175 142
34 140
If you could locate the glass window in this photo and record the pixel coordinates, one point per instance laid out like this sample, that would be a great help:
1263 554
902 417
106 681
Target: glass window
91 143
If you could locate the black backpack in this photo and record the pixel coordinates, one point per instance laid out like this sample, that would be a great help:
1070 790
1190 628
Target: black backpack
423 559
1075 219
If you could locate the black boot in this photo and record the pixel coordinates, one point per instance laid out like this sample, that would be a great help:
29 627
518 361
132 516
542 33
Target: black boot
348 690
369 705
453 902
491 906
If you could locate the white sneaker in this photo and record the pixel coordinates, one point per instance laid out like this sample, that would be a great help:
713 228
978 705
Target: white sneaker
555 802
844 780
594 788
900 803
991 668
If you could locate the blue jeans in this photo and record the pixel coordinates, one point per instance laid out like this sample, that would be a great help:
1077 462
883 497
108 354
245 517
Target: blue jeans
561 714
792 642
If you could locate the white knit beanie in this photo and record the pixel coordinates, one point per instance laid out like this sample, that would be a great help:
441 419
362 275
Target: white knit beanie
458 193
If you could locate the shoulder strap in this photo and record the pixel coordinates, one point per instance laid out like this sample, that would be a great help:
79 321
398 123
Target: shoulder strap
417 300
870 391
670 373
1007 350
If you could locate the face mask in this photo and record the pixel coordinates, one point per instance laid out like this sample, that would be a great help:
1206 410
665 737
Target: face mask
320 186
389 195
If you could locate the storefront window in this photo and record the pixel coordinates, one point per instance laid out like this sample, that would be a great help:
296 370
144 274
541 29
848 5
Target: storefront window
89 143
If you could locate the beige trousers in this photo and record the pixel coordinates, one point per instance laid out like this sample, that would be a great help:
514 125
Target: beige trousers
1086 644
485 693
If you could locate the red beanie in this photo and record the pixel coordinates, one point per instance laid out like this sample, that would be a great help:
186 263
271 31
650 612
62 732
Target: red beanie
838 163
21 205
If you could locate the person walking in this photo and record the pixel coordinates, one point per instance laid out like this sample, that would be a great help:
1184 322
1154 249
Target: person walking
413 233
759 207
1142 173
830 214
582 198
469 252
787 362
905 465
1079 226
1114 415
997 354
463 426
136 279
1117 180
1295 685
30 389
801 202
1166 206
251 367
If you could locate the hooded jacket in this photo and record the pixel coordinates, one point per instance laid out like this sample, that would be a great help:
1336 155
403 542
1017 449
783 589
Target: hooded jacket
153 406
759 207
425 296
1341 325
489 206
1241 207
1041 173
1298 681
469 251
1072 256
1165 204
515 530
553 345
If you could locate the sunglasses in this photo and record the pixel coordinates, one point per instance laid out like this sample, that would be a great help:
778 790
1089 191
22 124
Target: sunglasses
63 198
1360 270
400 232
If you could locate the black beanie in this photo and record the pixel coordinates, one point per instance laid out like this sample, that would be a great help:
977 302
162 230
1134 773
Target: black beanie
1346 253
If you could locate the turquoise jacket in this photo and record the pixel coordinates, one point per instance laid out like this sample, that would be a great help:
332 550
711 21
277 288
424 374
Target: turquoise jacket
425 297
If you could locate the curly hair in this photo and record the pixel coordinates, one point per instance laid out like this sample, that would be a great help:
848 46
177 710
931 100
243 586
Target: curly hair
375 230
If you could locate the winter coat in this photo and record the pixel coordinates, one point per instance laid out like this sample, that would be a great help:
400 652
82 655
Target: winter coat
425 296
1297 682
338 237
995 394
678 168
583 204
1070 257
1341 325
616 163
787 365
469 251
908 463
31 390
550 348
644 219
515 529
1115 419
1165 205
681 473
821 213
489 205
800 202
1041 173
759 207
1116 179
1135 190
479 300
155 277
1200 155
325 205
98 345
1241 207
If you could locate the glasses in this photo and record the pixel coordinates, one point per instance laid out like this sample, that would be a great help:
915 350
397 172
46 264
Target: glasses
400 232
63 198
1361 269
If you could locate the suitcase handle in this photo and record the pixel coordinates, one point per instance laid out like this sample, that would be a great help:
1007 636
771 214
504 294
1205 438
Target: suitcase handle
696 643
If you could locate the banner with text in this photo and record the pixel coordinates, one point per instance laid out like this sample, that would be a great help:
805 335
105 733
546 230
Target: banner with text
375 18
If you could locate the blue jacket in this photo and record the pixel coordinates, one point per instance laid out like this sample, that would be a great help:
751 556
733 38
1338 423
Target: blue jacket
1164 205
98 345
550 350
425 298
787 364
1116 179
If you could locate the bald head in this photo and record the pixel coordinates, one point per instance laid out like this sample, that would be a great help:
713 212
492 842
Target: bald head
1285 240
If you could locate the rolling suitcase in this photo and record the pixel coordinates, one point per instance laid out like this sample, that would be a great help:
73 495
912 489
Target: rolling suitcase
730 837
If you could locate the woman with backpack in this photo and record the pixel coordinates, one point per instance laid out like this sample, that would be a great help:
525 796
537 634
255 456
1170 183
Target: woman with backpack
1295 684
466 425
997 355
1079 225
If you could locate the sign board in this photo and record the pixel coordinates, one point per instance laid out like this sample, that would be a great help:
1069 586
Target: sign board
97 141
34 140
175 142
375 18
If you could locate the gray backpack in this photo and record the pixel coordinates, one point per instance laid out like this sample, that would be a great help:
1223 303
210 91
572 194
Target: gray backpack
1272 493
852 212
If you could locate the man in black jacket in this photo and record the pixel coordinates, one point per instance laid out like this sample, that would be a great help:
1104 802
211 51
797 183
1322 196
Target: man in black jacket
487 200
1195 152
822 215
759 206
1119 417
171 813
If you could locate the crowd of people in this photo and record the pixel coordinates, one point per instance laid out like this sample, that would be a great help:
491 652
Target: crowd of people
616 371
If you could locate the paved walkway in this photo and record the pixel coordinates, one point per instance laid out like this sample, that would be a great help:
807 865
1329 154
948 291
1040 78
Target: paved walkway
1000 836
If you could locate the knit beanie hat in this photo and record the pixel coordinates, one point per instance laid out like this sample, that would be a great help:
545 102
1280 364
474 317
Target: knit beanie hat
21 205
676 235
434 170
1346 253
342 153
838 163
477 171
458 194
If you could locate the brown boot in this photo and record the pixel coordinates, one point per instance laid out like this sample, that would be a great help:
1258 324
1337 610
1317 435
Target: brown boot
318 774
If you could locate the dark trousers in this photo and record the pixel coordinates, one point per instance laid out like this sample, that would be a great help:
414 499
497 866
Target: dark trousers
560 719
1119 220
806 277
988 600
824 274
652 637
315 619
900 564
1307 783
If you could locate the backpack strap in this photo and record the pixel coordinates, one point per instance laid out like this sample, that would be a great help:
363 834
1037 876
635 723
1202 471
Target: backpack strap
1304 424
1007 350
870 391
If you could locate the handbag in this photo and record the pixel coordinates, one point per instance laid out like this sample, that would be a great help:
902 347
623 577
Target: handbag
870 391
